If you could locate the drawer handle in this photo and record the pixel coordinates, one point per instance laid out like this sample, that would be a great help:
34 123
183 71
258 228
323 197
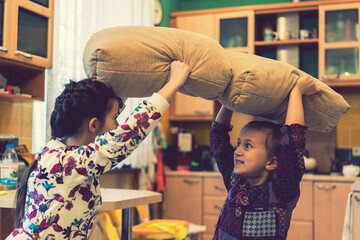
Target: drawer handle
2 49
357 198
29 56
320 186
197 112
217 207
191 181
220 188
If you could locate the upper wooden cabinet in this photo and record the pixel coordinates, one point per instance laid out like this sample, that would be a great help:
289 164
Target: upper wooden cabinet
27 31
184 107
323 54
204 24
235 30
339 44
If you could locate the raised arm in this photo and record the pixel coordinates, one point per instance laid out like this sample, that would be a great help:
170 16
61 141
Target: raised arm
224 116
304 86
179 72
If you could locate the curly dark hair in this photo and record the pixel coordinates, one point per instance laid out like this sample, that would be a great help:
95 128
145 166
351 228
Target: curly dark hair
80 100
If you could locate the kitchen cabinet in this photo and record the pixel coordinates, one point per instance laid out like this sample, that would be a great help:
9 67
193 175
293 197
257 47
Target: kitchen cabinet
195 23
339 44
235 30
184 107
334 61
319 213
214 198
183 198
329 209
196 197
27 31
301 226
26 37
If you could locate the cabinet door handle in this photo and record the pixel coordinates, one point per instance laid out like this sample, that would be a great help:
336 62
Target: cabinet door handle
2 49
29 56
357 198
217 207
191 181
220 188
197 112
320 186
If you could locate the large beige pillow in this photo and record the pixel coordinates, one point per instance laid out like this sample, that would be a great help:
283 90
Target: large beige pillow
135 60
261 87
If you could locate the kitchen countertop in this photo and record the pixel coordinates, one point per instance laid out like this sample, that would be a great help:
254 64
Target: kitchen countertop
307 176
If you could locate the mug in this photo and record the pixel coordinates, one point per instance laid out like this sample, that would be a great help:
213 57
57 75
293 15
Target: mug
304 34
350 170
270 35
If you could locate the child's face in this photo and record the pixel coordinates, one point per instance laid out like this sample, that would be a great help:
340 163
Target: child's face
250 157
110 122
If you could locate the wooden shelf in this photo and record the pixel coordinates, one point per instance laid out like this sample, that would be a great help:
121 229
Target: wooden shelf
287 42
17 98
342 83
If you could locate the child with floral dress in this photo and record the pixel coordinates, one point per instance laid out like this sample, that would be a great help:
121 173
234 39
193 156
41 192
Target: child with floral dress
59 197
262 175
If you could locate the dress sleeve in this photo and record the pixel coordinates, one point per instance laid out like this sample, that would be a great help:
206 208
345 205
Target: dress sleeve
290 159
222 151
112 147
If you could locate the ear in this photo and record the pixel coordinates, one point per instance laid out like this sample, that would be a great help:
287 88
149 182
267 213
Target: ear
94 125
271 164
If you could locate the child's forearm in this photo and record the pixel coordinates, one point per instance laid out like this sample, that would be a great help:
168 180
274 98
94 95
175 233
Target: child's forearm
224 116
295 111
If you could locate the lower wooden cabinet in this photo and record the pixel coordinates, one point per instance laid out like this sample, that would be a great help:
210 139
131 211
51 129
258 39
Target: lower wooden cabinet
301 226
319 214
330 200
183 198
194 197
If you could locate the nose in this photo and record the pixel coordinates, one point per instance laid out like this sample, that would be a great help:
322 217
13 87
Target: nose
238 151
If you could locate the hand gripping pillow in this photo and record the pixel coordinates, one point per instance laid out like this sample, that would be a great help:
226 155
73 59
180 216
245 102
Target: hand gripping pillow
135 60
261 87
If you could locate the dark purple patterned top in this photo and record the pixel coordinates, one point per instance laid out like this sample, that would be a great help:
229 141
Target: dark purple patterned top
261 211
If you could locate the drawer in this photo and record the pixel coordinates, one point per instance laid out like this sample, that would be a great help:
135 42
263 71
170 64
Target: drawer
208 236
214 186
213 204
210 223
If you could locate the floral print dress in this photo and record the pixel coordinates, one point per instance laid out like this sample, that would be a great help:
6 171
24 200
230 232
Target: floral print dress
63 195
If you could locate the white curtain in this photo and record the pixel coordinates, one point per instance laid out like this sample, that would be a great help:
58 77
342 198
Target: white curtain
74 23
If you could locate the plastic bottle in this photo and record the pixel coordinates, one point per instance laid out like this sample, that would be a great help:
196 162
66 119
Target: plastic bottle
340 24
9 166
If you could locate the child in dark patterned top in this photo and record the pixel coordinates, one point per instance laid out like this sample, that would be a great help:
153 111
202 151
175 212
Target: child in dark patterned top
262 175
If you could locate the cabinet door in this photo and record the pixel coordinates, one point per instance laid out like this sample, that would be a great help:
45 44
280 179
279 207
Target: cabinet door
356 215
235 30
183 199
329 209
5 28
300 230
184 107
339 44
32 32
204 24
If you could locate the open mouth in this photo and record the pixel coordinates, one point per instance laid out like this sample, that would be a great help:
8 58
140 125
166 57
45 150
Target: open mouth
237 161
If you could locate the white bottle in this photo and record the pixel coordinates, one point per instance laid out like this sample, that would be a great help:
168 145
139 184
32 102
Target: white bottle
9 166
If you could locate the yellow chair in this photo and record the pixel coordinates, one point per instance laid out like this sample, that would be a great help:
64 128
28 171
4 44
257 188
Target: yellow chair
109 222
